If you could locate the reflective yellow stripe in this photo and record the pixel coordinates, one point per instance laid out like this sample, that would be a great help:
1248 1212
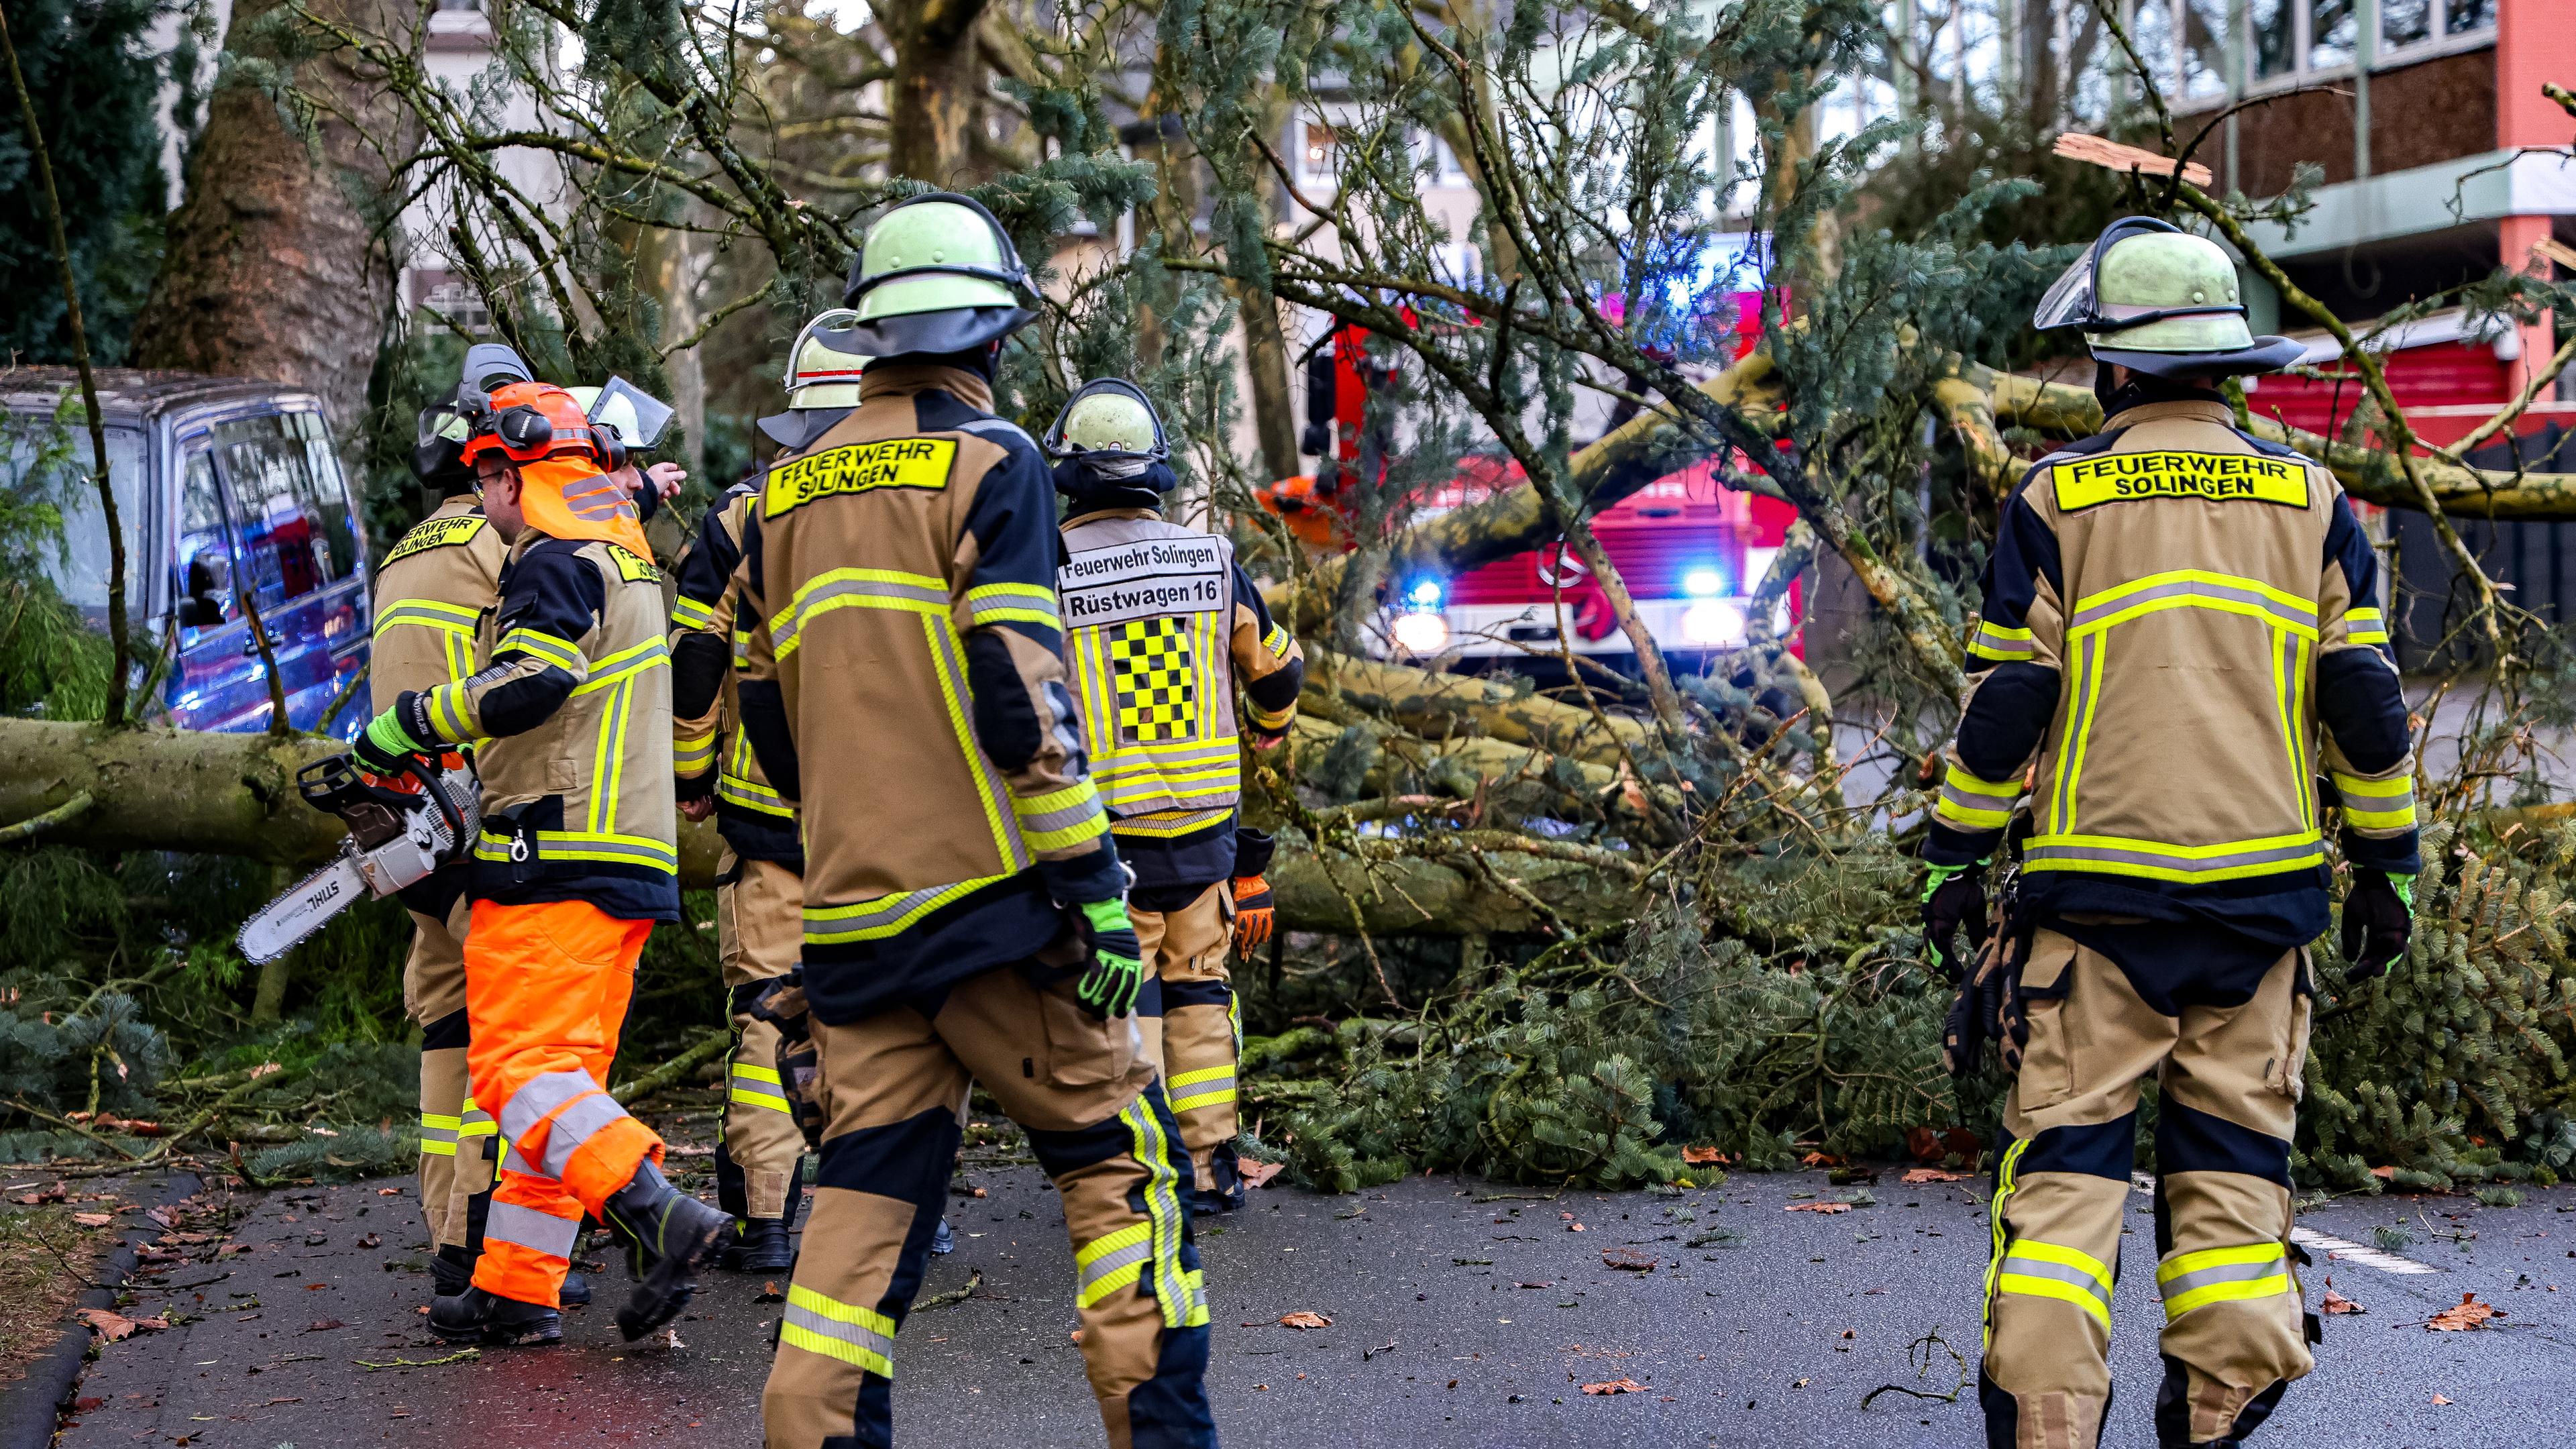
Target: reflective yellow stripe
688 613
1106 1264
751 795
953 692
625 664
750 1098
586 845
2376 804
859 1336
2364 626
2156 860
1971 804
1165 824
2007 1174
446 709
855 589
1162 1210
1203 1099
2001 643
1061 819
1277 641
1025 603
692 754
536 643
2222 1275
2194 589
886 915
427 614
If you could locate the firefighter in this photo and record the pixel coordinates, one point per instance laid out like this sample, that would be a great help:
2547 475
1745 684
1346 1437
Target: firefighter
575 861
901 682
431 591
1161 625
2182 659
760 888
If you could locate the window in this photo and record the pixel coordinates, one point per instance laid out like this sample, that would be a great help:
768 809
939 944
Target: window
289 506
47 459
201 585
2274 28
2418 22
2334 29
2204 48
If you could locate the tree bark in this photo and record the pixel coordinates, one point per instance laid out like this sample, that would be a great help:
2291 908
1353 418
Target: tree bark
272 269
938 83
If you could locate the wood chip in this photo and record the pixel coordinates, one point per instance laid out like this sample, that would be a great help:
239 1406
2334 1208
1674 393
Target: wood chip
2112 156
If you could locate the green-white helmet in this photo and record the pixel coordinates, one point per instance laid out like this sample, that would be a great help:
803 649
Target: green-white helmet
823 368
937 274
2154 298
1108 420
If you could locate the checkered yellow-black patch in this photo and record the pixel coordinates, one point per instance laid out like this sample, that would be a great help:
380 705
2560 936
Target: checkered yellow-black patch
1157 681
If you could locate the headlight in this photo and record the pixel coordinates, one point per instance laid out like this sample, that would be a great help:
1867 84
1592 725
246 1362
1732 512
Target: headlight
1713 624
1427 633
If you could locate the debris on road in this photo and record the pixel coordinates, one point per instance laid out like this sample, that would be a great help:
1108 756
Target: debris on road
1616 1386
2469 1313
1302 1320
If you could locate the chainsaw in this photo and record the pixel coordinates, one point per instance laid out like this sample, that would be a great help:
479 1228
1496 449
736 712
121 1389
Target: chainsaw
397 837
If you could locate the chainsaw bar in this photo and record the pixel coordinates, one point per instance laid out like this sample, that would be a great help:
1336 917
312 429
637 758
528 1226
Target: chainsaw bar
300 912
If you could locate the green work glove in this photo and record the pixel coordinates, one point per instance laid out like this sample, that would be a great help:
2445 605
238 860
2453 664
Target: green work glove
1954 896
1110 985
395 735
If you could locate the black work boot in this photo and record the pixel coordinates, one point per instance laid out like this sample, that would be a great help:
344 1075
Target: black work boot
575 1292
1226 1195
758 1245
668 1235
480 1316
452 1271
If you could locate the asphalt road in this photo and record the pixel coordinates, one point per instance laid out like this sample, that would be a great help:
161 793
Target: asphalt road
1455 1321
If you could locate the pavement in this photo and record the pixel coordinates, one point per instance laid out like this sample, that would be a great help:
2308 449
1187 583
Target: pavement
1458 1318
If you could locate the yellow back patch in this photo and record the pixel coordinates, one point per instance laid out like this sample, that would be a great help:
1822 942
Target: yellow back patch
633 570
436 533
859 468
2218 477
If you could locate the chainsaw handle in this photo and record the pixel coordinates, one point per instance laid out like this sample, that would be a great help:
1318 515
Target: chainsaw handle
335 785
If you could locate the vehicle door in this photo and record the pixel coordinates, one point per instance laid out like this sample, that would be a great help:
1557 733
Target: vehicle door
215 680
298 545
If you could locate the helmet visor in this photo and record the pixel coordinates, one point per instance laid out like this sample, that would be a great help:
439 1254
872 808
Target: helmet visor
638 416
2070 298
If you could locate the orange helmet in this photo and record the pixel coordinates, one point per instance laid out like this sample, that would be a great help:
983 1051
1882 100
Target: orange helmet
529 421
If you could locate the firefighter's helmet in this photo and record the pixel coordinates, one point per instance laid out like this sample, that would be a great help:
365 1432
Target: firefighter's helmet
936 275
2152 297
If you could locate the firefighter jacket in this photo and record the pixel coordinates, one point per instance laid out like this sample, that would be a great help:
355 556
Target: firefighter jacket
710 751
902 682
431 591
2182 633
1161 625
571 723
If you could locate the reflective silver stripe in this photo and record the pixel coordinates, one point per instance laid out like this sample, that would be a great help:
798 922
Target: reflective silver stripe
1993 641
537 1100
864 919
2060 1272
2289 854
576 1126
784 632
846 1331
1121 1264
2290 614
533 1230
1063 818
2182 1283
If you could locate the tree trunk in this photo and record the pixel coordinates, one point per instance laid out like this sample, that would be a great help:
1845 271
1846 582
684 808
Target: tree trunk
938 81
233 794
1265 359
272 270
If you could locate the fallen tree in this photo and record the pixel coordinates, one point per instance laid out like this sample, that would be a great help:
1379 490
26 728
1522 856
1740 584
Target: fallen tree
234 794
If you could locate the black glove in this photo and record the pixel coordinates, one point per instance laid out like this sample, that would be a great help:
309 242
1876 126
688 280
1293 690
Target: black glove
2378 920
1989 1007
1954 896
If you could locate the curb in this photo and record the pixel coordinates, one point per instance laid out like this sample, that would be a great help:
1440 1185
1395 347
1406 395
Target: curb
31 1407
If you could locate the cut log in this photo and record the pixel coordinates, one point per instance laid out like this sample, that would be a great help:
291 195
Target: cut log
1411 896
1445 706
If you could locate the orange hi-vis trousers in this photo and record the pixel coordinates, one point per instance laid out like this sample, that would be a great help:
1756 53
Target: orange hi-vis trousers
546 988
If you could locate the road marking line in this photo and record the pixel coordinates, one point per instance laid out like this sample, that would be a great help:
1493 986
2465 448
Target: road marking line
2349 1252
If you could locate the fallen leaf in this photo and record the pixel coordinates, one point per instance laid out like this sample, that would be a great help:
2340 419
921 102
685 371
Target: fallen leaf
1627 1261
164 1219
1702 1156
1933 1174
976 1192
1820 1207
2469 1314
388 1192
1303 1320
1820 1159
2437 1398
110 1326
1076 1335
1258 1174
769 1293
2383 1173
2337 1303
93 1220
83 1406
1616 1386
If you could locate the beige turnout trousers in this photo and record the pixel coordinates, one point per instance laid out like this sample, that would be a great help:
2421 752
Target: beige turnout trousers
455 1162
760 929
2234 1332
1195 1040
